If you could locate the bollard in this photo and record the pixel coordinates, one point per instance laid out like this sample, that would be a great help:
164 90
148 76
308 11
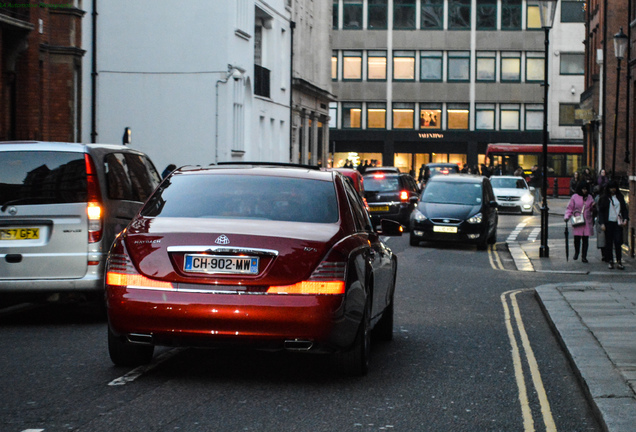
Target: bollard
555 189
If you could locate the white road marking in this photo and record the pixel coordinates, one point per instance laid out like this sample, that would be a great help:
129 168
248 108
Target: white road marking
138 371
513 235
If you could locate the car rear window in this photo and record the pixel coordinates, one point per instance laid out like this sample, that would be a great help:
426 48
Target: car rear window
452 193
381 183
42 177
244 197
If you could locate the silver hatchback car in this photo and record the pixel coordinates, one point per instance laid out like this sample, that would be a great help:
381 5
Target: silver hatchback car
61 206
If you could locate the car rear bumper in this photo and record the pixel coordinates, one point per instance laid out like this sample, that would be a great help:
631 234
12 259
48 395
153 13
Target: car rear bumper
269 321
92 283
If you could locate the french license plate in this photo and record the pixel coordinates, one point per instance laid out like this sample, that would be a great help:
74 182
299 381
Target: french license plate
220 264
379 208
19 233
445 229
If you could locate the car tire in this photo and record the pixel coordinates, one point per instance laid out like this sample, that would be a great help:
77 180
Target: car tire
483 244
413 241
124 353
493 238
383 330
355 360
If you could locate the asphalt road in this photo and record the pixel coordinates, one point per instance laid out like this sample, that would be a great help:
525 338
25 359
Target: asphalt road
472 351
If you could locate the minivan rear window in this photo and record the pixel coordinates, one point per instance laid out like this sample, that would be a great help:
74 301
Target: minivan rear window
42 177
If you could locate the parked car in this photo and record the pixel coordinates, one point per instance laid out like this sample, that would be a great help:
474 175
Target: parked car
266 256
354 175
456 208
390 196
61 206
513 194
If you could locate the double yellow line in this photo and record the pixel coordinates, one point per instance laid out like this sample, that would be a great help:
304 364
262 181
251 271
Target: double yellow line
493 257
510 297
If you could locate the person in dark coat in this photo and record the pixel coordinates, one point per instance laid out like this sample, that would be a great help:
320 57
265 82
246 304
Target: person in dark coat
613 216
581 202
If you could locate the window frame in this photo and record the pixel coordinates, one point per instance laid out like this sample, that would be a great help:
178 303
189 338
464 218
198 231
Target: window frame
434 5
507 6
456 55
462 6
486 55
572 54
575 107
458 107
376 106
433 55
352 5
504 108
433 107
532 108
405 54
481 108
376 54
403 106
404 5
373 5
350 54
483 6
534 56
507 56
348 107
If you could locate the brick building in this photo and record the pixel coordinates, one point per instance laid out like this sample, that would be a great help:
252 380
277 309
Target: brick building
40 66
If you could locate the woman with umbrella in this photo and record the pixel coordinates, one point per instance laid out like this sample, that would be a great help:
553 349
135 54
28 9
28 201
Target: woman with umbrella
581 203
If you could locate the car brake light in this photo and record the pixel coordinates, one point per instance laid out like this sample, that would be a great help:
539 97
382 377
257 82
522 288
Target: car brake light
378 176
93 208
404 195
121 272
328 279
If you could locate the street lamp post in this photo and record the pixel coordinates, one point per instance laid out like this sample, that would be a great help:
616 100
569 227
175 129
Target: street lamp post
547 8
620 45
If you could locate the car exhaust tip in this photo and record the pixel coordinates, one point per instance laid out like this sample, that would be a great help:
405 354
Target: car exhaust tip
298 345
140 338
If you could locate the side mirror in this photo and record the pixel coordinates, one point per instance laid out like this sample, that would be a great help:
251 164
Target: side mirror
391 228
413 199
494 204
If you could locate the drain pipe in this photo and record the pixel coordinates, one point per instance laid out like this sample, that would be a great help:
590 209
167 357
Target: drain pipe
292 26
94 75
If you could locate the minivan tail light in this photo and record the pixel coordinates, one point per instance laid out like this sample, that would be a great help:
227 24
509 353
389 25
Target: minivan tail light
328 279
94 198
404 195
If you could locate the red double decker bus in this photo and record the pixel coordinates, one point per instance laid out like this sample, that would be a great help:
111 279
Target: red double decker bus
563 160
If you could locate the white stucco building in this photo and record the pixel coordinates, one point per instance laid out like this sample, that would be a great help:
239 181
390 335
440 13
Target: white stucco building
196 82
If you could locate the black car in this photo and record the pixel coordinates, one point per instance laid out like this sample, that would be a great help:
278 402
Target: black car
390 196
433 169
456 208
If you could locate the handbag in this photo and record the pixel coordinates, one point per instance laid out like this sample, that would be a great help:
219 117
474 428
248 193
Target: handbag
578 220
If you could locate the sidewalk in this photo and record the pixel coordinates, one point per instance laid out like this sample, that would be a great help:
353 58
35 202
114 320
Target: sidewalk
595 322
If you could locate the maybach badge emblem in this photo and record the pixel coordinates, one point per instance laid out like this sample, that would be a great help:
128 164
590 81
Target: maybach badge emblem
222 240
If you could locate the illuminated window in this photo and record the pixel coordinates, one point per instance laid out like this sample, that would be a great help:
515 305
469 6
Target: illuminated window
334 66
511 14
457 116
376 116
352 14
510 116
486 66
404 14
430 116
534 117
535 67
432 14
485 116
458 66
486 14
533 18
352 65
403 65
352 115
377 11
376 65
459 14
403 115
510 66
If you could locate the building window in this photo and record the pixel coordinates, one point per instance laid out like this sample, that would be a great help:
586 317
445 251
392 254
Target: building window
534 117
352 65
351 115
376 115
510 67
376 66
459 14
431 66
377 14
572 64
334 14
403 65
333 115
510 116
572 11
457 116
567 115
484 116
533 18
432 14
535 67
511 14
334 65
458 66
486 66
486 14
403 14
352 14
403 115
430 116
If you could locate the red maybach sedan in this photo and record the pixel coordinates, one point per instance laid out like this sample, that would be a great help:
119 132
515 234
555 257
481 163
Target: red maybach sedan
263 255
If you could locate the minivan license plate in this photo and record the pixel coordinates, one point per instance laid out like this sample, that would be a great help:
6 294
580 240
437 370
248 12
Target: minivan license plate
19 233
220 264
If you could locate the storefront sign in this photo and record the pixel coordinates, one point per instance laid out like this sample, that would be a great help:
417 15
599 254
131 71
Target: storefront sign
431 135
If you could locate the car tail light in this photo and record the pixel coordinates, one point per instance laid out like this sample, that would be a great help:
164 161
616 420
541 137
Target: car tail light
404 195
328 279
94 206
378 176
120 271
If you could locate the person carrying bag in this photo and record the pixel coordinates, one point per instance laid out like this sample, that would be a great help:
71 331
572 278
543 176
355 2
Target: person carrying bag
613 216
580 212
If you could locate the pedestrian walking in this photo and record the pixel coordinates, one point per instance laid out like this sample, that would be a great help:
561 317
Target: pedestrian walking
581 203
602 179
613 216
574 182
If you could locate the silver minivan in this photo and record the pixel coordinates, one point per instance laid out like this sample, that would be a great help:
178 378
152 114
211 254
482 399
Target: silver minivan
61 206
